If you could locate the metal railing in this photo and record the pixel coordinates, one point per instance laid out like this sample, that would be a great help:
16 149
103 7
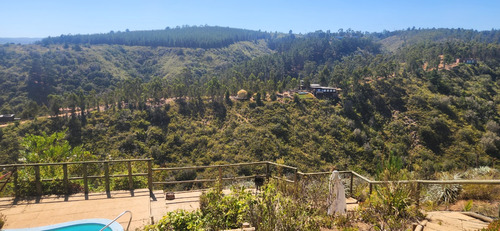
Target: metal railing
120 215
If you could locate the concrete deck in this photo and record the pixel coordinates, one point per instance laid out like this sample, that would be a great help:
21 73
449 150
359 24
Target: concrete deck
444 221
54 209
58 209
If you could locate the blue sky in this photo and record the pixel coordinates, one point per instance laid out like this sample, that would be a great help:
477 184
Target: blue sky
37 18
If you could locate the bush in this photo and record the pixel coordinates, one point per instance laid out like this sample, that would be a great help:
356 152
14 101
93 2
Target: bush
481 192
179 220
122 183
272 210
225 211
493 226
391 207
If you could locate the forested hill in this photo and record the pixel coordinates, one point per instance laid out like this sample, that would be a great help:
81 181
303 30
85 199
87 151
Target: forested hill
395 39
189 37
402 94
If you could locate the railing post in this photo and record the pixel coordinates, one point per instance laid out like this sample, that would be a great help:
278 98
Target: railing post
85 181
371 187
351 186
16 182
130 180
296 176
296 183
65 178
417 195
38 182
267 171
106 178
220 178
150 178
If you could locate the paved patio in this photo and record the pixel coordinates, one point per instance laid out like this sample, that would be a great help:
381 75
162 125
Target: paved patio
57 209
448 220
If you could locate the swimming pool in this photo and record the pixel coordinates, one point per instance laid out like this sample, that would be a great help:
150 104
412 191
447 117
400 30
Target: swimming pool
84 225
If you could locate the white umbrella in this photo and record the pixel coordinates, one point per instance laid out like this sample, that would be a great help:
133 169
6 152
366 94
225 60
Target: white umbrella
336 197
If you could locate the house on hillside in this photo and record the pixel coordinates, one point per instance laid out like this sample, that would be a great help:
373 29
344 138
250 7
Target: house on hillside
7 118
467 61
321 92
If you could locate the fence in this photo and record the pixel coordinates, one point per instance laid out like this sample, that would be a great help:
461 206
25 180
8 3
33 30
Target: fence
88 170
354 180
81 171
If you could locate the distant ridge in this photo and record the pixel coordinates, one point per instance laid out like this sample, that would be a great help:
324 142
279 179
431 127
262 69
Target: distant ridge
187 36
19 40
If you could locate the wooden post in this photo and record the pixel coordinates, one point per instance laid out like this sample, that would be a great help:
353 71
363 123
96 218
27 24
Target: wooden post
16 182
296 176
351 186
220 178
106 178
38 182
65 178
130 180
370 193
267 171
150 178
85 181
417 195
296 182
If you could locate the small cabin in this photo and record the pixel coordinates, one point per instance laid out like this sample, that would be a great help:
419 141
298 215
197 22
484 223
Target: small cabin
7 118
323 92
467 61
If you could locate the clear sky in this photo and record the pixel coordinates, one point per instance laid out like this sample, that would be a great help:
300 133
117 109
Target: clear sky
42 18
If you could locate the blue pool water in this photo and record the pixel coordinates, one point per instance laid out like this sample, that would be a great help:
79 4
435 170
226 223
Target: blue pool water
80 225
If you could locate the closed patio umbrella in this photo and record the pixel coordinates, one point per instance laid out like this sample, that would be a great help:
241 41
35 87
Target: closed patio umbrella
336 197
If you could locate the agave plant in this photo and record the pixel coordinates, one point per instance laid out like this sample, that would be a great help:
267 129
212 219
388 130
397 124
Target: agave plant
444 194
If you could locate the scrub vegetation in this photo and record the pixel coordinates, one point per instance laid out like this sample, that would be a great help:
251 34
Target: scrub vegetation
427 98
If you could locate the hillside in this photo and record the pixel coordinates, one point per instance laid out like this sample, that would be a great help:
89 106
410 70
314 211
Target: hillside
30 73
189 37
395 100
19 40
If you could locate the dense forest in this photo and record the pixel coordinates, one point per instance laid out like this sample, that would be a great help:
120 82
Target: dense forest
192 37
167 95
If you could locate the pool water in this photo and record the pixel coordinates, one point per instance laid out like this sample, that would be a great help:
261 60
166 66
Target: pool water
82 227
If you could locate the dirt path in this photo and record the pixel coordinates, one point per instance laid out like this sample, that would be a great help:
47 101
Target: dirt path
66 112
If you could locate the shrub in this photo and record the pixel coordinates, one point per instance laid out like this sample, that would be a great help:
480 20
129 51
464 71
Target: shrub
444 194
481 192
179 220
272 210
468 206
225 211
122 183
493 226
391 207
